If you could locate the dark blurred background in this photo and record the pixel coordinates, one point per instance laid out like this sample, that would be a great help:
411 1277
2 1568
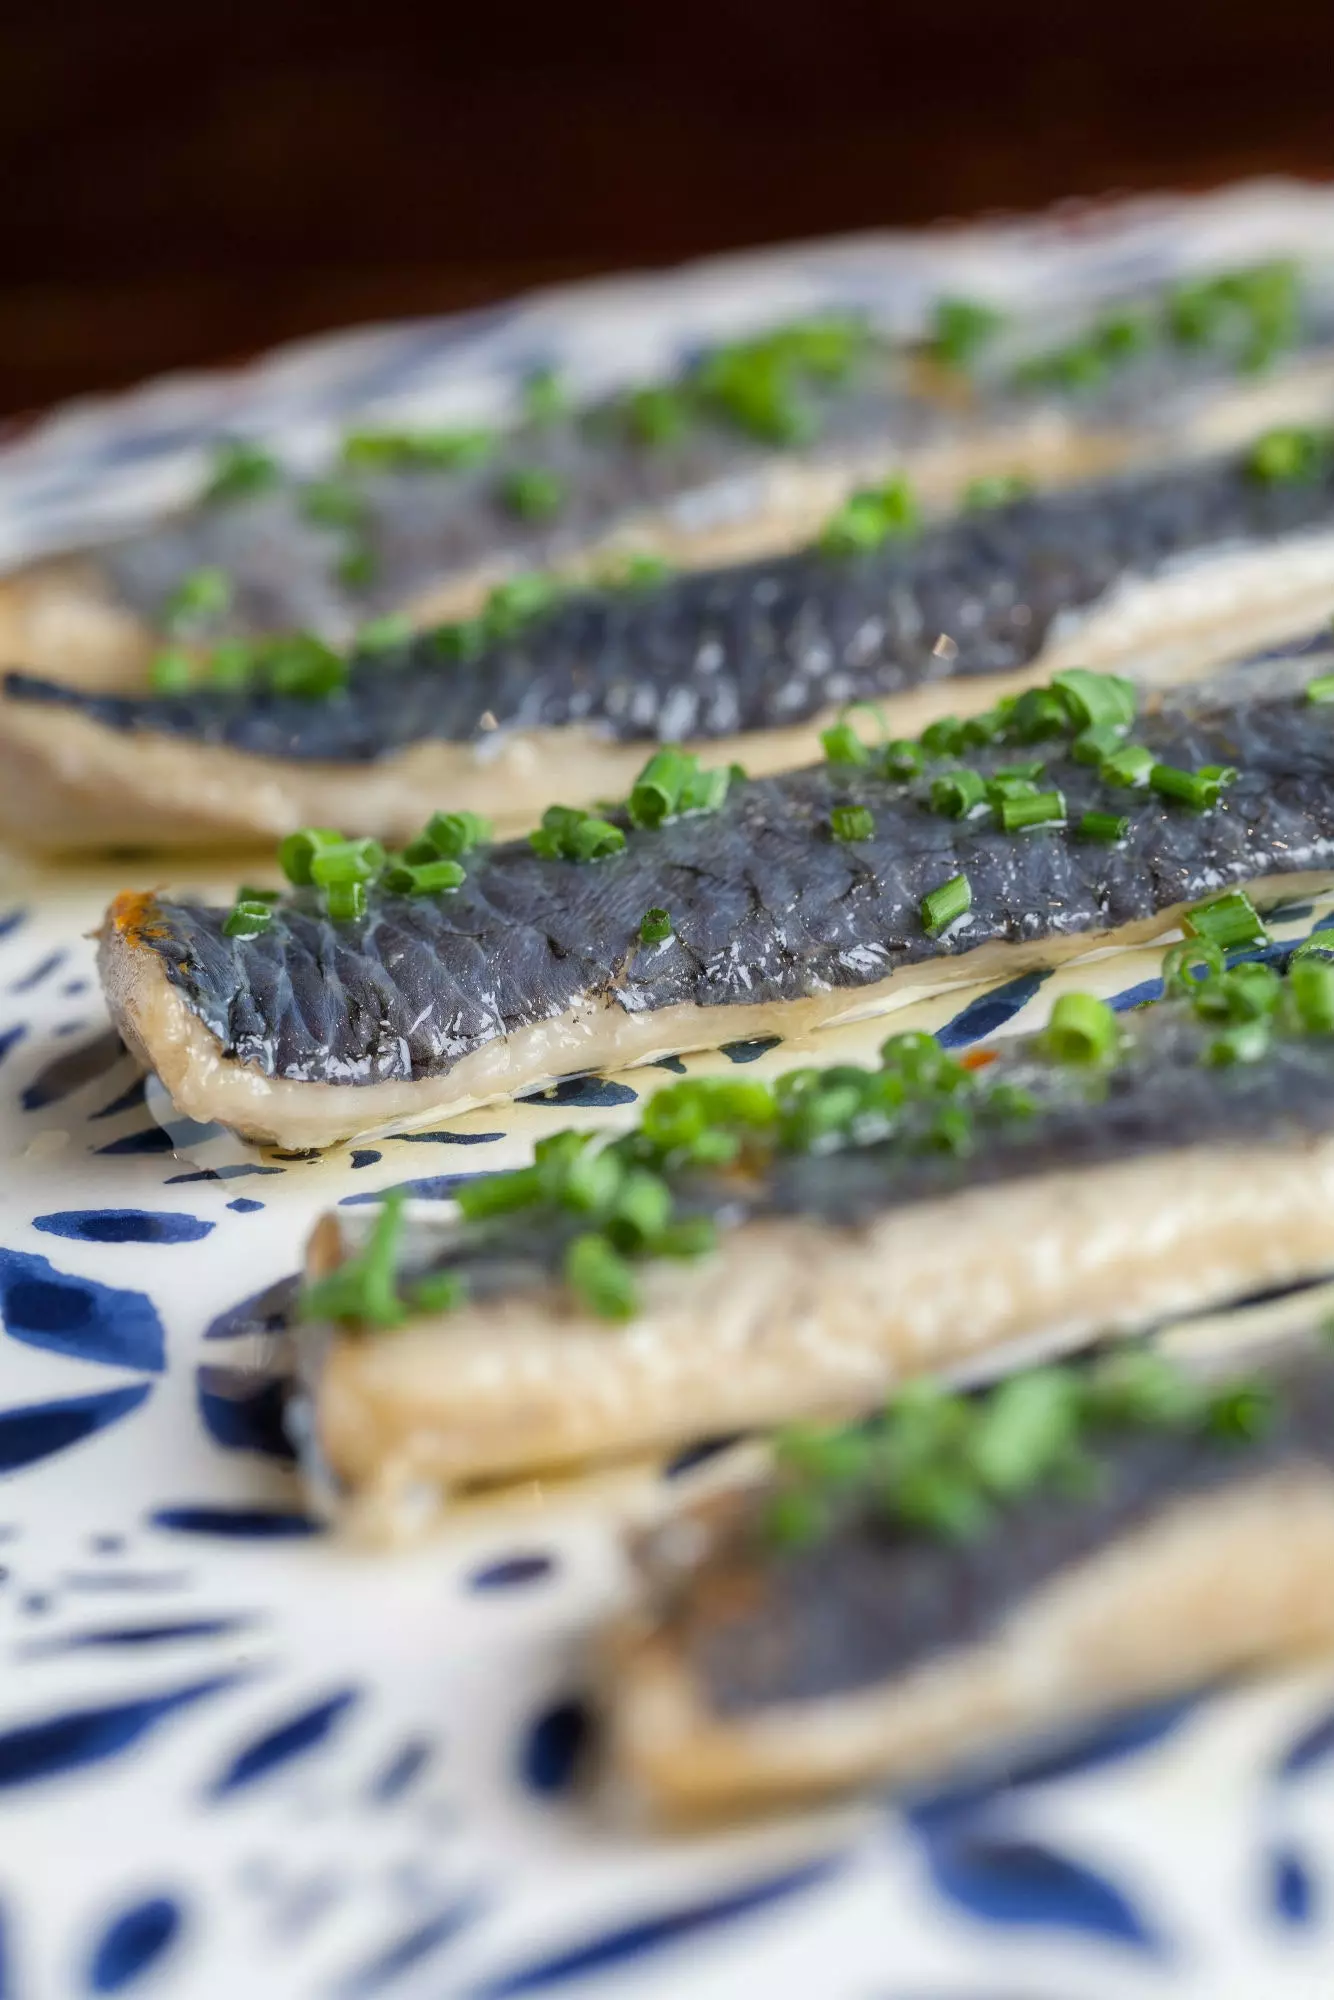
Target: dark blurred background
188 184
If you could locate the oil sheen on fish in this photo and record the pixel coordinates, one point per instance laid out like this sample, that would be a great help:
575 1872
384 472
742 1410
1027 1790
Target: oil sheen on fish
747 1256
744 455
893 1604
535 967
1173 570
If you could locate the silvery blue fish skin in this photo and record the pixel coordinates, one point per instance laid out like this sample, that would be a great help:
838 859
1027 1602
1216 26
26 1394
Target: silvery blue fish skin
763 646
774 920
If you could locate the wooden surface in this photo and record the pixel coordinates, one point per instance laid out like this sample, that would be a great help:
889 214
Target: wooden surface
185 185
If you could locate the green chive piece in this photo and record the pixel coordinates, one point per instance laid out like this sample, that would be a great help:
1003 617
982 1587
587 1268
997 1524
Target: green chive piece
1291 457
1128 767
961 329
1038 713
945 905
1041 809
654 926
365 1287
239 471
944 737
1230 922
1096 745
599 1275
487 1195
453 834
1082 1030
437 1292
1097 701
792 1520
532 492
297 853
640 570
852 823
871 517
656 415
344 861
357 568
1246 993
1244 1042
1006 774
1026 1427
1242 1411
1103 826
300 665
568 833
516 602
248 917
689 1236
545 397
383 634
1197 789
1321 689
996 489
345 901
1182 974
842 745
172 672
640 1210
416 451
422 878
1311 981
999 788
656 792
329 503
705 789
232 664
956 793
902 759
979 730
205 593
461 641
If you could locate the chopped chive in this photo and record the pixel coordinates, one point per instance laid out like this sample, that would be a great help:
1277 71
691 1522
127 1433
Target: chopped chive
365 1287
1039 712
437 1292
601 1277
1042 809
996 489
345 901
870 517
1291 457
545 397
1097 744
297 853
1097 701
902 758
1128 767
516 602
171 672
654 926
568 833
453 834
656 792
852 823
1311 981
943 906
944 737
1005 774
487 1195
248 917
979 730
961 328
640 1210
657 416
463 640
300 665
416 451
842 745
382 634
532 492
706 788
1244 1042
999 788
1082 1030
329 503
1321 689
1246 993
205 593
1229 921
1197 789
1103 826
422 878
239 471
232 663
1182 974
337 863
640 570
957 792
357 567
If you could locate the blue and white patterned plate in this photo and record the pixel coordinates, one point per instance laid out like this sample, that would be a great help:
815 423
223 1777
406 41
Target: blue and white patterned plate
236 1755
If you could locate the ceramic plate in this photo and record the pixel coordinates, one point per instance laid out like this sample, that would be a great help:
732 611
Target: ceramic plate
238 1757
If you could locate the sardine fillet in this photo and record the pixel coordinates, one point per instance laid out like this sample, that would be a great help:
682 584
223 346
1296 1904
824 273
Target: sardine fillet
1211 1585
168 1037
792 1318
